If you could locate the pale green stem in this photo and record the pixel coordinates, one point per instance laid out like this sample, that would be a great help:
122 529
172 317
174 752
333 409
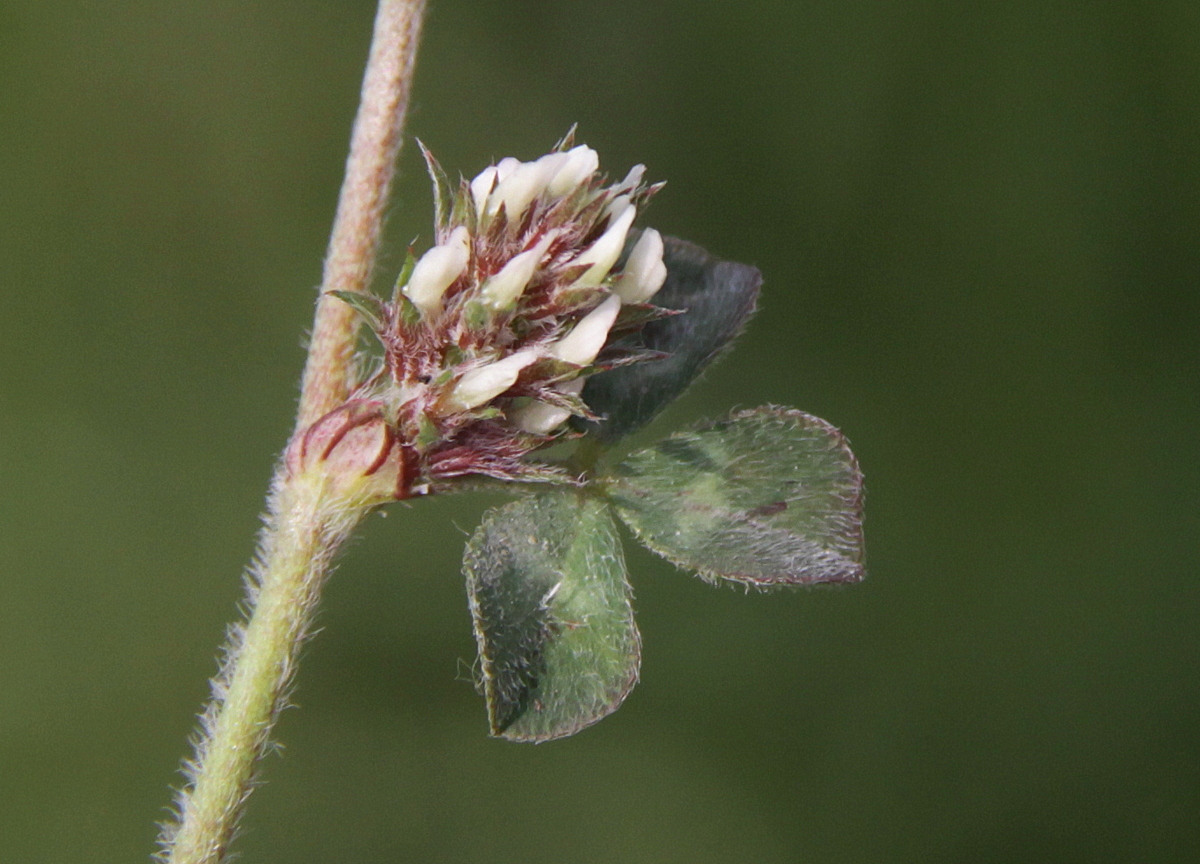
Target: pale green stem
305 527
309 515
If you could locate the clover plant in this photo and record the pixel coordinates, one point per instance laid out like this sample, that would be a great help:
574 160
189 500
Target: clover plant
539 330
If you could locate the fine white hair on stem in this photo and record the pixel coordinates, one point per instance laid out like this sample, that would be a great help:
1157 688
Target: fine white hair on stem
354 240
306 520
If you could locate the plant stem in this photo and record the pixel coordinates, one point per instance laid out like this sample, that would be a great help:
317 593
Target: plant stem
359 221
304 529
309 516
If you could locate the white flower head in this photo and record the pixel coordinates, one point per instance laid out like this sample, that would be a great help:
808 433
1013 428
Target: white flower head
499 313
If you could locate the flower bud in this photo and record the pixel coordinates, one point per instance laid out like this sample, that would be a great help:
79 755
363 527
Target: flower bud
603 254
632 180
581 163
526 181
506 166
541 418
552 163
484 383
617 206
501 291
482 186
436 271
583 343
350 447
645 271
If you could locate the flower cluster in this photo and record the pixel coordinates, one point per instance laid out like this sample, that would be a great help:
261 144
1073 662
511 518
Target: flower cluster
491 333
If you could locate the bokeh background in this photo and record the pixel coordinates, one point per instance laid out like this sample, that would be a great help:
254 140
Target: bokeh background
979 226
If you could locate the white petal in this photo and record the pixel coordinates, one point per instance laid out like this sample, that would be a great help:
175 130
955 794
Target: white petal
436 271
605 251
617 206
460 237
644 272
632 180
581 163
485 383
538 417
552 163
582 344
541 418
482 186
506 166
525 182
503 288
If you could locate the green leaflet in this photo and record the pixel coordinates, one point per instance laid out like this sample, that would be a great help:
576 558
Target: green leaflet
551 606
770 496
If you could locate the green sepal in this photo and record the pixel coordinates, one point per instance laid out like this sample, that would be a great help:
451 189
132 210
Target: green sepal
552 370
485 412
476 315
441 193
566 142
618 355
770 496
428 434
574 298
635 316
407 311
369 307
558 646
462 209
410 261
566 401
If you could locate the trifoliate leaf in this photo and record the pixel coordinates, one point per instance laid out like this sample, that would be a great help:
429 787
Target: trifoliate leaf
557 642
770 496
717 298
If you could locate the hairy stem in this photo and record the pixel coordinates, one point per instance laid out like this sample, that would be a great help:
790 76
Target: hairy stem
309 515
359 221
305 527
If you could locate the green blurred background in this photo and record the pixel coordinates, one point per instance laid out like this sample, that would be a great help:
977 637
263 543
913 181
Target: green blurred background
979 226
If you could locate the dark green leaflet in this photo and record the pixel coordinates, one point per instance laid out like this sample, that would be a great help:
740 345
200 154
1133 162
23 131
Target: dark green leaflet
551 605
